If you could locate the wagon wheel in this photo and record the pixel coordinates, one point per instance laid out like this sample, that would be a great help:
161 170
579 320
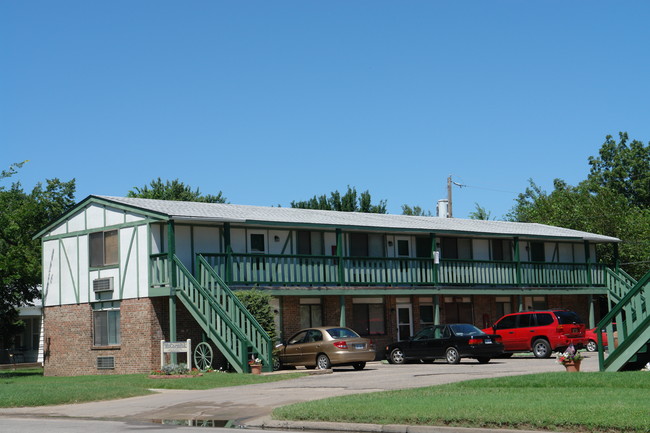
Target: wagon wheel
203 356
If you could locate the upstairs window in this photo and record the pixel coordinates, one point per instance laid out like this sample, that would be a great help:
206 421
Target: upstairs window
257 243
103 249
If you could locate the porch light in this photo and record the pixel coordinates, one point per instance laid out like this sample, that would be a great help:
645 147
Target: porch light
276 238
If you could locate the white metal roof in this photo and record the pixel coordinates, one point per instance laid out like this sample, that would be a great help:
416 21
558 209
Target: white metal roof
179 210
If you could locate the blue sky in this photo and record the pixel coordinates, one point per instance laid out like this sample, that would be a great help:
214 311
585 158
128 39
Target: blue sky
271 102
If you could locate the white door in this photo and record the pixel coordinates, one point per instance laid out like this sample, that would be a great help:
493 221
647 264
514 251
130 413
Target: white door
404 322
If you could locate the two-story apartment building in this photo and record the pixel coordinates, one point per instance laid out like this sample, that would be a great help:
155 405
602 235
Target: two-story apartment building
121 274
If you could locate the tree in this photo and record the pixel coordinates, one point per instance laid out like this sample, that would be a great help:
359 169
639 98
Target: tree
174 190
349 202
623 168
480 213
415 211
22 216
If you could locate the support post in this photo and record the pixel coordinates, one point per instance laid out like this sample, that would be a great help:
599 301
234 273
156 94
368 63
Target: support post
592 312
617 259
228 249
520 300
171 252
339 255
436 309
434 258
588 260
517 263
342 320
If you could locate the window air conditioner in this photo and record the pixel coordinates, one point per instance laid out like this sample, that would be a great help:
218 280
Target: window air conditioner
103 284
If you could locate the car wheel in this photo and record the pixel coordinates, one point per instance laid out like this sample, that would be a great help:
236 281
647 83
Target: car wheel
323 362
453 357
592 346
277 365
359 365
396 356
483 359
541 348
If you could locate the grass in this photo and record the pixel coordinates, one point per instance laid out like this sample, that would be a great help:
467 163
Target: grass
585 402
28 387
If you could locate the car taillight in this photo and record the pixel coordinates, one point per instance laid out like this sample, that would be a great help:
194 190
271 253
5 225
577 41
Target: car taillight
498 339
560 329
341 344
475 341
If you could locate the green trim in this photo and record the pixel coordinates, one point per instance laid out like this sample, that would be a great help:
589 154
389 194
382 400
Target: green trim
82 206
97 230
419 291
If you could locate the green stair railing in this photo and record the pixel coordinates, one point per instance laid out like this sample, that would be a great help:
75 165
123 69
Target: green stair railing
619 284
214 321
629 341
236 312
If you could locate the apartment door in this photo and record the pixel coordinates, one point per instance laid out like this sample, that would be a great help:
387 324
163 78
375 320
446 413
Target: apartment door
404 321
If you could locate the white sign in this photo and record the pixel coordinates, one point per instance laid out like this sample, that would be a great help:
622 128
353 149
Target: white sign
176 347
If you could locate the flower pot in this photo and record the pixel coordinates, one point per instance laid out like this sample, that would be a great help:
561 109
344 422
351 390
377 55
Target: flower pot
256 368
573 366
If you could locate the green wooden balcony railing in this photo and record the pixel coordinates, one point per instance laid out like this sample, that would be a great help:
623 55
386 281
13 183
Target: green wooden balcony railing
276 269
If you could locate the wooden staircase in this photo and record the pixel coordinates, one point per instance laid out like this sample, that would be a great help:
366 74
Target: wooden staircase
222 316
627 326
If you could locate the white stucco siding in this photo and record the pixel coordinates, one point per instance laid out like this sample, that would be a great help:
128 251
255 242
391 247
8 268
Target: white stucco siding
129 265
70 270
157 239
276 247
579 253
130 217
114 216
592 252
95 217
565 252
50 273
77 222
143 261
206 240
481 249
550 253
330 241
183 238
238 240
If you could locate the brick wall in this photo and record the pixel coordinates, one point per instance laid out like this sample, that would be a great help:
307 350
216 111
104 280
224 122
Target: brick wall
69 348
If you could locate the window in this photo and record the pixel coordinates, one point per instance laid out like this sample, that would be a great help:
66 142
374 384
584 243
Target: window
311 313
304 242
368 316
103 249
544 319
106 326
403 248
455 248
504 305
426 315
525 320
257 243
358 245
423 247
501 250
537 252
507 322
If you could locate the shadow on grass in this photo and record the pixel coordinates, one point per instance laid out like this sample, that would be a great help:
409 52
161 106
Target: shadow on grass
8 374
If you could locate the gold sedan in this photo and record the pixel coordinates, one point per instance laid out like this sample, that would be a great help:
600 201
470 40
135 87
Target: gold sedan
324 347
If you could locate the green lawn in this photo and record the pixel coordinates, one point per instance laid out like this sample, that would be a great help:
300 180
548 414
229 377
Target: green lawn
593 402
30 388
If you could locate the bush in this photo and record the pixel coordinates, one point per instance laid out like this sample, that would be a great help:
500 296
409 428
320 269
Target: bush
258 304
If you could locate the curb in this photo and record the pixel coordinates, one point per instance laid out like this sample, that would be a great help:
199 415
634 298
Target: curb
267 423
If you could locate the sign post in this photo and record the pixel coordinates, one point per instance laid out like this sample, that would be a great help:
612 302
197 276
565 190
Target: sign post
176 347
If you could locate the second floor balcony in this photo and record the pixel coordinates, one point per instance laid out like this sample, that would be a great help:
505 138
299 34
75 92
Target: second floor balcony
301 270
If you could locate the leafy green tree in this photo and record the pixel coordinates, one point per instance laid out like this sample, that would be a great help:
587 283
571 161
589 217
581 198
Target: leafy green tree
23 215
624 168
258 303
349 202
480 213
415 211
174 190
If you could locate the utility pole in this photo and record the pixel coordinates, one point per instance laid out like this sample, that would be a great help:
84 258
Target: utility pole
449 213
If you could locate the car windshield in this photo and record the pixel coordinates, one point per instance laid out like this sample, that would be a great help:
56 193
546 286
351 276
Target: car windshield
567 317
342 333
463 330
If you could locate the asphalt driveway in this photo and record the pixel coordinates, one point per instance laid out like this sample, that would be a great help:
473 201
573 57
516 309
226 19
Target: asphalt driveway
252 404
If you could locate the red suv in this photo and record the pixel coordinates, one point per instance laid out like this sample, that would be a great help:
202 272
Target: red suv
539 331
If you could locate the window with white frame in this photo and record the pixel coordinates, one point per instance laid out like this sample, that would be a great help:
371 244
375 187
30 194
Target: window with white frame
103 248
106 324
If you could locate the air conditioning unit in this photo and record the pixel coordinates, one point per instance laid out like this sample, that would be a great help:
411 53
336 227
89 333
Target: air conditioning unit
103 284
105 362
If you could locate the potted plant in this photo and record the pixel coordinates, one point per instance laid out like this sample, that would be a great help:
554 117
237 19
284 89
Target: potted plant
256 365
570 358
